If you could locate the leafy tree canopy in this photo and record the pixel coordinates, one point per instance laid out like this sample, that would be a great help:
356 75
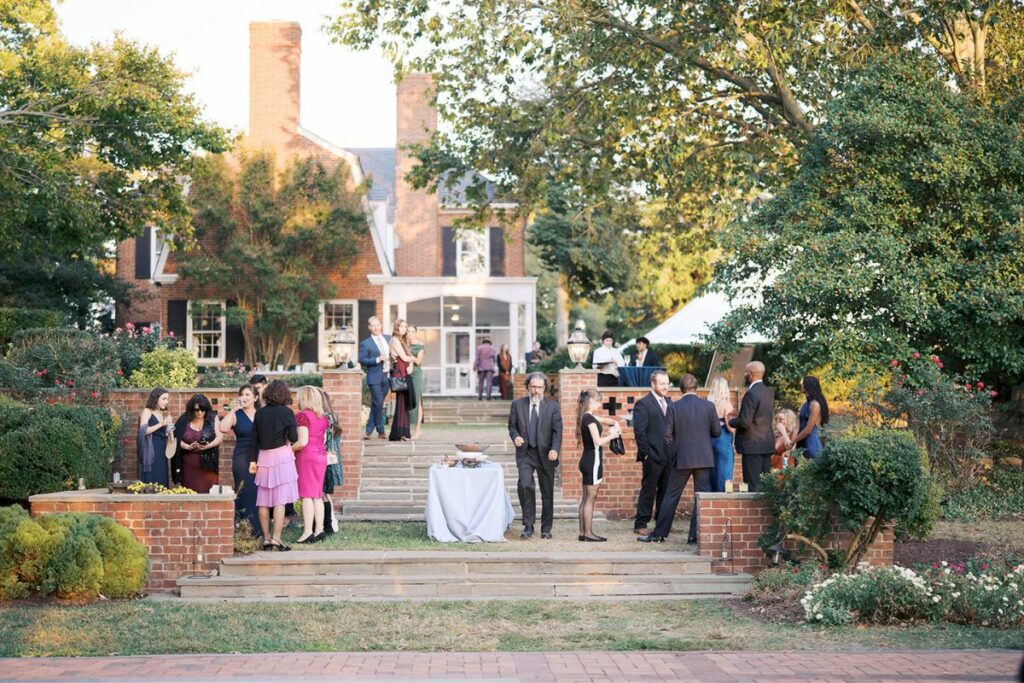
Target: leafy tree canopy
267 240
903 231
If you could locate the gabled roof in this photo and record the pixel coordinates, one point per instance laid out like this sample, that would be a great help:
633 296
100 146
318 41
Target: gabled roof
379 166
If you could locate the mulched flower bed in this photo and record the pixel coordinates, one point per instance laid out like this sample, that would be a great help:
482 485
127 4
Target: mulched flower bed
914 553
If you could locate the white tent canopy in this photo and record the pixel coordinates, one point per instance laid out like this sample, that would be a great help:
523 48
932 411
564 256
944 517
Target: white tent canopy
695 319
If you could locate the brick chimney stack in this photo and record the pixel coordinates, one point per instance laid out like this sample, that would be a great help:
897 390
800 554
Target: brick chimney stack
275 49
416 225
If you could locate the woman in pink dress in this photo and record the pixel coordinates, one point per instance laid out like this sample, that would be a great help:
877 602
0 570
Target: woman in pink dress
311 460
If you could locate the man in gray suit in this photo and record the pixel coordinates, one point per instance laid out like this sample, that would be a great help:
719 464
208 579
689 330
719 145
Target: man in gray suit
535 427
690 425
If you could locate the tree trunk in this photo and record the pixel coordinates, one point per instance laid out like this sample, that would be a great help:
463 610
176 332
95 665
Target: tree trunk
561 311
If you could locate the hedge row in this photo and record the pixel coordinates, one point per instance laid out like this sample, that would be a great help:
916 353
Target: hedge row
15 319
46 448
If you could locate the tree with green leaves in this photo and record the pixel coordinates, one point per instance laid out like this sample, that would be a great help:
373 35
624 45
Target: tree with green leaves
269 241
902 232
93 142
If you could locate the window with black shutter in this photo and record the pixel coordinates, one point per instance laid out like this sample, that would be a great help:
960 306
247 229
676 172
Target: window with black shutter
497 247
234 342
448 252
177 318
144 255
367 309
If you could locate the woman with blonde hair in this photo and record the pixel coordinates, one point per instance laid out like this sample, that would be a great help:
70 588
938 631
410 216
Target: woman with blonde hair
311 460
588 426
785 426
401 368
722 445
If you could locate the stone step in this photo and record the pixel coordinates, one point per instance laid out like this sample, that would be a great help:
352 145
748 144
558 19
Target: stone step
378 510
497 587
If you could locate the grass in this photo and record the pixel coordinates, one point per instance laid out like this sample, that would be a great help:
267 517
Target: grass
163 627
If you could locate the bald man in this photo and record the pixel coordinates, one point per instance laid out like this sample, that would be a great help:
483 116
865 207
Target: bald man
754 438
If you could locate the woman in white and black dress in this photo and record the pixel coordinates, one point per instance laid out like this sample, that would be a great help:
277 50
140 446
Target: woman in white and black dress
591 465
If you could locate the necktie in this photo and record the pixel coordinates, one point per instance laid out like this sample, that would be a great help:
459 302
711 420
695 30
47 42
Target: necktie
661 402
534 425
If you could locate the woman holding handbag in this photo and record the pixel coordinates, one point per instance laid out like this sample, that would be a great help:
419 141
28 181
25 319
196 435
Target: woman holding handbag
401 381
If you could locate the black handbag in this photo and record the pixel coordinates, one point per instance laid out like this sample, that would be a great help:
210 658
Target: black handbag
616 446
398 384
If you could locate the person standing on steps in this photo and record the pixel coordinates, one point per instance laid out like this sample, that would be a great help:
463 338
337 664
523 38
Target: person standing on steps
649 415
486 358
755 437
690 426
588 428
535 427
375 357
417 348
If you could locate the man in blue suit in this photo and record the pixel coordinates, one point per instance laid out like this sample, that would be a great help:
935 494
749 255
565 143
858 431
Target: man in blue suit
375 358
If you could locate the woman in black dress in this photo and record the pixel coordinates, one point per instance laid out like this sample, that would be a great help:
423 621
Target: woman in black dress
156 424
402 364
240 421
591 467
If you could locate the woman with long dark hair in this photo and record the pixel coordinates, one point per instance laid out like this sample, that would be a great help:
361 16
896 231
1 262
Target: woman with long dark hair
401 354
155 428
588 426
241 420
813 415
197 460
505 372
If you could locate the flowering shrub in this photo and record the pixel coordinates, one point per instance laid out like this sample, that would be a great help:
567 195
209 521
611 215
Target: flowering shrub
143 487
231 375
132 343
891 595
949 416
61 365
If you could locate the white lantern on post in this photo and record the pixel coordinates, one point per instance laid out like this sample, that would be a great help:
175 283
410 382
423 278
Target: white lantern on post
578 345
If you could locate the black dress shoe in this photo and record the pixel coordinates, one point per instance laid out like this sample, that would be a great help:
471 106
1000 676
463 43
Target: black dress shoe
527 532
691 541
318 537
593 539
308 539
651 538
545 534
581 538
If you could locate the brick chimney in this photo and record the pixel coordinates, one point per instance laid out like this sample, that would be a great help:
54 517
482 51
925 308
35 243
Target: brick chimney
275 48
419 250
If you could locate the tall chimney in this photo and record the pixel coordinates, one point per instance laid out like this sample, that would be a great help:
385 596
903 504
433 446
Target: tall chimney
275 48
419 250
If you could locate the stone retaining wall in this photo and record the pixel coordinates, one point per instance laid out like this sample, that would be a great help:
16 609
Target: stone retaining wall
185 534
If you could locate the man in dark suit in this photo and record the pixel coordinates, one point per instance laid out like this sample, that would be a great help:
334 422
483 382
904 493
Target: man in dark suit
649 429
690 425
645 355
535 427
755 440
375 358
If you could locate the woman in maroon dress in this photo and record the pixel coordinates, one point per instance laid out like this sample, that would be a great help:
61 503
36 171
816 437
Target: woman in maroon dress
402 365
197 460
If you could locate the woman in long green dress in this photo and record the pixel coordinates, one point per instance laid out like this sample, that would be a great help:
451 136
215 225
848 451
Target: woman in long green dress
416 414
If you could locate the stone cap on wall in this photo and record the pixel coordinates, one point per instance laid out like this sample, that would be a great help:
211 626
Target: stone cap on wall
749 495
101 496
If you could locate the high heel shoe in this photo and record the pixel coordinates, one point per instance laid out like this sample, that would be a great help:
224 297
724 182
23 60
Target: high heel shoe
308 539
594 539
316 538
581 538
279 547
270 546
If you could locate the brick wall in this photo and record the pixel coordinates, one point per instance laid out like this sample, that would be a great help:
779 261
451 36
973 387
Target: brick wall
416 211
731 523
177 530
343 386
622 473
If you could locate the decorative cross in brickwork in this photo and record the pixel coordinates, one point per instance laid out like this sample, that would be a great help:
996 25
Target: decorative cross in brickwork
611 405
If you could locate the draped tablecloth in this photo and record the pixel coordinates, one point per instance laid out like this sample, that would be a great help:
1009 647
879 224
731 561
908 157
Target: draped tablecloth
631 376
468 504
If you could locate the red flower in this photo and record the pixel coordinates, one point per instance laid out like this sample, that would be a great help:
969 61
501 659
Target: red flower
129 326
95 395
935 565
916 354
981 385
984 566
968 386
894 363
993 394
939 363
935 359
119 373
171 333
920 392
146 330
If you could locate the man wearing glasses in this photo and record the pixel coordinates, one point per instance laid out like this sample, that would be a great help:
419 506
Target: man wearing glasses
535 427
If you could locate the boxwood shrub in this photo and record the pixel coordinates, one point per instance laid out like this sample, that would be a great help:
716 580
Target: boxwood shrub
16 319
47 448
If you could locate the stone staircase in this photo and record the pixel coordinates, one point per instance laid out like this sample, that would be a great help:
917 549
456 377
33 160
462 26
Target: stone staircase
463 575
393 484
465 411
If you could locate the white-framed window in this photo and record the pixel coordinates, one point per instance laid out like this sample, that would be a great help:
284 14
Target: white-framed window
473 253
336 314
206 331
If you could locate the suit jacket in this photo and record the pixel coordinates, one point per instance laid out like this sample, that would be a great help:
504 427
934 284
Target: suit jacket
753 425
549 429
649 429
486 354
691 424
651 360
371 360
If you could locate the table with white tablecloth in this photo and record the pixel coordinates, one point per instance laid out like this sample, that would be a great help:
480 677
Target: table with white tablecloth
468 504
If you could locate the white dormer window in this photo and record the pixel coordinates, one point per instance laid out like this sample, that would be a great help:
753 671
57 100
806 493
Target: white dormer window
472 253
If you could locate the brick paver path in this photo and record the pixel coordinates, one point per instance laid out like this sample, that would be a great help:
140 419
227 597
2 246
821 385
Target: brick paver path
615 667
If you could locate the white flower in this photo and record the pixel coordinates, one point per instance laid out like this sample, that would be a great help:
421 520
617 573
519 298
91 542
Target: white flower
821 616
936 599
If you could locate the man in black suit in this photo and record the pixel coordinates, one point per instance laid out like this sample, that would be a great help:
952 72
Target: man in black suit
645 355
535 427
690 425
755 440
649 429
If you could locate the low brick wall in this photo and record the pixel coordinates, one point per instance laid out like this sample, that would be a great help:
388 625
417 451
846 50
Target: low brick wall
343 386
176 529
731 523
622 473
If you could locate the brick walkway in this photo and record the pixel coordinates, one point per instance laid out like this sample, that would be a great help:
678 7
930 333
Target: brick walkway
940 666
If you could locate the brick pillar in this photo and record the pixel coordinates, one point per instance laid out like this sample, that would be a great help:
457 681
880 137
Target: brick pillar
345 387
415 210
570 384
275 48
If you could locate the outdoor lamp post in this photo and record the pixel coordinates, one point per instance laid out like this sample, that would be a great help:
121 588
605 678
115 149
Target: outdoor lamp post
342 345
578 345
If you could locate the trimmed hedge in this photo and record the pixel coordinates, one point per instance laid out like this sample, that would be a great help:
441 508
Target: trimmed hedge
73 556
46 448
163 367
13 320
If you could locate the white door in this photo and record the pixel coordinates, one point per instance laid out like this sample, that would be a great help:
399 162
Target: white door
459 347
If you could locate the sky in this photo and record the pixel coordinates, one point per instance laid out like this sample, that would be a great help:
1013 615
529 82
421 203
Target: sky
348 97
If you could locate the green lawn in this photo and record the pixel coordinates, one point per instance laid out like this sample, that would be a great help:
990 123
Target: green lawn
165 627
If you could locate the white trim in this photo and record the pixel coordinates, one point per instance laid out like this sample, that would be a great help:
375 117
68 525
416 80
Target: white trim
486 236
158 260
321 330
356 169
498 280
453 209
223 331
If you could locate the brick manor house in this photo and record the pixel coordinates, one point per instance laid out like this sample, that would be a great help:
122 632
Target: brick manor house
412 265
